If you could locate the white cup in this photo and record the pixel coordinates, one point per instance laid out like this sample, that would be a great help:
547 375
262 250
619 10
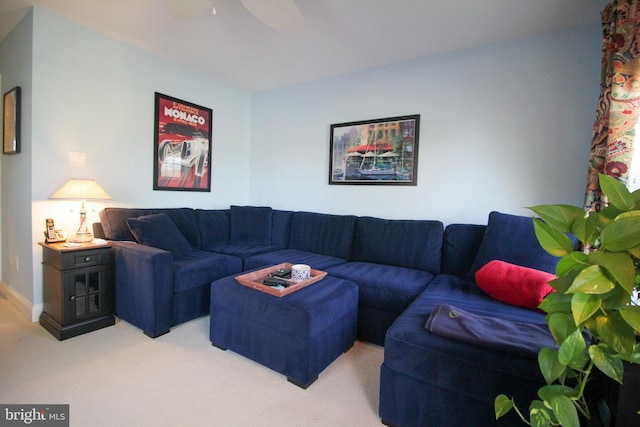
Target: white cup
300 272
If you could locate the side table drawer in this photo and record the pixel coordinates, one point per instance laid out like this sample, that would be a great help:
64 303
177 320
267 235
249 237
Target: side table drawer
76 259
89 258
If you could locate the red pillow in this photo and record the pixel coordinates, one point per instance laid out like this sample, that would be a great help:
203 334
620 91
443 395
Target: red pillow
513 284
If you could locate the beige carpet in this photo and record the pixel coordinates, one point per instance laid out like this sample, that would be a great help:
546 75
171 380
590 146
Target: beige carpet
117 376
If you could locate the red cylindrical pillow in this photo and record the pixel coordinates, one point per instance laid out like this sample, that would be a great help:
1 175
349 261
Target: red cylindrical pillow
514 284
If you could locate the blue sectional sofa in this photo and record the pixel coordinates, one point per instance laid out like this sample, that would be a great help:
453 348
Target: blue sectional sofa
167 259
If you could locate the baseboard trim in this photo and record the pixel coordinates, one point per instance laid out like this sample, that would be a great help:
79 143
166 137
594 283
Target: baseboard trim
24 307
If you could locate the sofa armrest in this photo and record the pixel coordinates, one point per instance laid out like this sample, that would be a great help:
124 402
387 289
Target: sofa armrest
144 287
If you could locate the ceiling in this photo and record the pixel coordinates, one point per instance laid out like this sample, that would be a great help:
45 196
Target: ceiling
340 36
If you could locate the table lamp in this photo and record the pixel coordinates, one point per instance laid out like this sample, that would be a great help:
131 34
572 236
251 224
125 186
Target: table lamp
81 189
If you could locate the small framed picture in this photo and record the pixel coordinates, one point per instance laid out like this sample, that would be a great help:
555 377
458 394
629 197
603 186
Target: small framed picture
182 145
11 122
375 152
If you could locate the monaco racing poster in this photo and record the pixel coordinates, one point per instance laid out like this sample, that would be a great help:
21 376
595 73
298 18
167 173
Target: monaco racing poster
182 145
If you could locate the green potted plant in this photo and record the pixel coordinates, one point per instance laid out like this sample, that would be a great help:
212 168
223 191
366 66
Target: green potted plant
592 316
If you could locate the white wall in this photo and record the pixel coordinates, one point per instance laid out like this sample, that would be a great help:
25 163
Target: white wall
502 127
16 70
95 95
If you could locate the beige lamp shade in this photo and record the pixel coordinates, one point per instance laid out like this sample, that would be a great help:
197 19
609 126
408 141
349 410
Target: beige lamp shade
81 189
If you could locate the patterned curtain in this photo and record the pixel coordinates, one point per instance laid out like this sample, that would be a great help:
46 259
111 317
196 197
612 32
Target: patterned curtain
619 102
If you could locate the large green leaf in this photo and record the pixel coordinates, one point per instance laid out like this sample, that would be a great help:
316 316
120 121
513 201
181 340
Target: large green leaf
553 241
621 234
617 193
556 302
549 365
585 228
540 415
614 331
583 306
591 280
572 351
631 315
502 405
619 266
572 262
561 325
565 411
560 217
604 360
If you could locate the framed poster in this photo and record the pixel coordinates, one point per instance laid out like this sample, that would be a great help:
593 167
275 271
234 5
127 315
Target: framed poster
182 145
11 122
375 152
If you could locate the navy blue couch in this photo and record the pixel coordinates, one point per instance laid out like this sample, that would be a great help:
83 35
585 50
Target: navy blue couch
166 260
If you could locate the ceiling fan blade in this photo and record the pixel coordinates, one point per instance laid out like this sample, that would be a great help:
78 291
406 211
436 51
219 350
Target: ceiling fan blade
189 9
281 15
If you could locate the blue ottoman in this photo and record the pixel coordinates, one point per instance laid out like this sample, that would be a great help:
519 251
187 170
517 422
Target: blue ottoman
297 335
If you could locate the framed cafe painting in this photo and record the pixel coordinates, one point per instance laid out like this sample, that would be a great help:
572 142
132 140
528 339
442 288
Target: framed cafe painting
182 145
375 152
11 122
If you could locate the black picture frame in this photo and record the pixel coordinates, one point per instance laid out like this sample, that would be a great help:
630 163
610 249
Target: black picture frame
11 121
375 152
182 145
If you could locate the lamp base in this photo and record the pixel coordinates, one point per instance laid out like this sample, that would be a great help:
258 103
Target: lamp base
82 238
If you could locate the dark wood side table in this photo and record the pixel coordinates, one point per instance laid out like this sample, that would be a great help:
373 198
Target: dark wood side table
76 288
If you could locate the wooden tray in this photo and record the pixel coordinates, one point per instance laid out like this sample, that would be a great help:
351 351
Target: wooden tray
255 278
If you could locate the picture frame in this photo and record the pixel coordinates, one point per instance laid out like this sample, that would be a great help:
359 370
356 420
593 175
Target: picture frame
11 121
375 152
182 145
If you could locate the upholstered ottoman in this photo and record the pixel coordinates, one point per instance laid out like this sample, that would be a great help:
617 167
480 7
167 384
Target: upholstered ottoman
297 335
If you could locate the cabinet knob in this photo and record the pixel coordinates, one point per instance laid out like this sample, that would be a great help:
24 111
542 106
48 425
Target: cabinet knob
87 259
73 298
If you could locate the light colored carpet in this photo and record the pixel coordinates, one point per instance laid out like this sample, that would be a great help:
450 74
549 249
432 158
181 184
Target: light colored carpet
117 376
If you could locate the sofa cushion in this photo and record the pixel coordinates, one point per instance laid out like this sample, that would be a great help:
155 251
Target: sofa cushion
323 234
293 256
213 226
159 231
114 222
460 246
201 268
512 238
250 225
386 287
403 243
514 284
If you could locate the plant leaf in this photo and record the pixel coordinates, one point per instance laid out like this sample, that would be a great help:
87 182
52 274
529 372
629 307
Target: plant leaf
631 315
583 306
502 405
556 302
621 234
565 411
573 351
619 265
553 241
539 415
572 262
549 365
585 228
605 362
591 280
614 331
617 193
561 325
560 217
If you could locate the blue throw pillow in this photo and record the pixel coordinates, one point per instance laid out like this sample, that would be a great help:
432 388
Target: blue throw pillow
512 239
250 225
159 231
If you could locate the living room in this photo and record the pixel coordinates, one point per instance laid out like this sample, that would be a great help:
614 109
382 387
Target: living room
503 126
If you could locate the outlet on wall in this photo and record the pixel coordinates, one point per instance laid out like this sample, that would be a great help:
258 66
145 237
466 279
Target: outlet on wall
16 264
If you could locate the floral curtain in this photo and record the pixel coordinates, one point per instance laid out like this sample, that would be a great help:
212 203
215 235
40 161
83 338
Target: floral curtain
619 102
